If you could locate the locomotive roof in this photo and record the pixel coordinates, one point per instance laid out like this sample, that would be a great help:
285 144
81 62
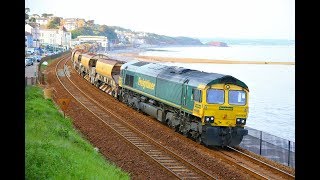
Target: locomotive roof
180 74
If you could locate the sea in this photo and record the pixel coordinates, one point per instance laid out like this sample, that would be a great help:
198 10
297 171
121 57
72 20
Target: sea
272 87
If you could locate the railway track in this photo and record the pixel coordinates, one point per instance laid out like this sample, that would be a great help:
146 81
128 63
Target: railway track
168 160
262 164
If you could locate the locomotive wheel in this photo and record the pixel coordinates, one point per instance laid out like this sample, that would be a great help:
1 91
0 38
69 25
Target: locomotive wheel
199 140
125 98
186 134
172 126
176 128
120 98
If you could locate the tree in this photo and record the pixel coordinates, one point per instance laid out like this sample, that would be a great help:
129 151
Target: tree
27 10
90 22
56 20
45 15
32 19
82 31
102 28
109 32
54 23
112 36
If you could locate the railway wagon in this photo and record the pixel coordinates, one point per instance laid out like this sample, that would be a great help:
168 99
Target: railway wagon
83 61
77 52
208 107
76 58
98 69
106 75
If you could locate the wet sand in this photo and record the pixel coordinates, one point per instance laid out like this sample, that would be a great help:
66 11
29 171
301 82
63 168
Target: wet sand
196 60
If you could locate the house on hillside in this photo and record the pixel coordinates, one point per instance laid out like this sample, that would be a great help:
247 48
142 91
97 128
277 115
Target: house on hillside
28 40
56 37
72 23
34 30
42 21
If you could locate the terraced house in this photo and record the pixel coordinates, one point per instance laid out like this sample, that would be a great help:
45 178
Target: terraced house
34 30
56 37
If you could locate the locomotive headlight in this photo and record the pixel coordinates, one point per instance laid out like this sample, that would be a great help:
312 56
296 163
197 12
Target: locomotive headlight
209 119
241 121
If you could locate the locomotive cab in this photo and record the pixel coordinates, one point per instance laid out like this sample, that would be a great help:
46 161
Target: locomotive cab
223 109
223 105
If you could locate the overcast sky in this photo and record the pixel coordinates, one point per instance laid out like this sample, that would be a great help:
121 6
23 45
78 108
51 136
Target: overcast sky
253 19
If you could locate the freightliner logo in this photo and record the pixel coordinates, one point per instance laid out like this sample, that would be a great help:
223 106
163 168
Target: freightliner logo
145 84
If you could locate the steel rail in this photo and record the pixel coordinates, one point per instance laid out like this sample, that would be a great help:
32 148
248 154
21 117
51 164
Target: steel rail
166 158
288 175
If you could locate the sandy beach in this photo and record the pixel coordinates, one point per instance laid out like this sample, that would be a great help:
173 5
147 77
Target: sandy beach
136 56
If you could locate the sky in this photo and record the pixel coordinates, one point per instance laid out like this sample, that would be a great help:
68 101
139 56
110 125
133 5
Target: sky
245 19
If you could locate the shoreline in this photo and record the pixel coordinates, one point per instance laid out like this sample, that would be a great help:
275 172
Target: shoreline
134 53
136 56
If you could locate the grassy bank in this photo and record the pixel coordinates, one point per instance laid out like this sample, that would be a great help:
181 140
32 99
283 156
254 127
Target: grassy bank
54 150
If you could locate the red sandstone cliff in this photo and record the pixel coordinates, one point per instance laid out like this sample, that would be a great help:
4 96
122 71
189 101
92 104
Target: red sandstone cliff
216 43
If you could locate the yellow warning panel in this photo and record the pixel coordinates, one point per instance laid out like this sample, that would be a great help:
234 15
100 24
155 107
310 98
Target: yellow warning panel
64 103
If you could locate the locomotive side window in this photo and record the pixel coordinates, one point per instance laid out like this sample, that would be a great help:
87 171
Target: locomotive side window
129 80
196 95
215 96
237 97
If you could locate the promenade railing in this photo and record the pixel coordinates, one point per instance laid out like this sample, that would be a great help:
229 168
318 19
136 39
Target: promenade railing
270 146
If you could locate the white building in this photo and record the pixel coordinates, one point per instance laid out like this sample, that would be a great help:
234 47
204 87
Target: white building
42 21
70 26
72 23
101 40
28 39
82 39
34 30
56 37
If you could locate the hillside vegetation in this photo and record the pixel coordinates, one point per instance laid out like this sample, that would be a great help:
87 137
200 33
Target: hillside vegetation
117 35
